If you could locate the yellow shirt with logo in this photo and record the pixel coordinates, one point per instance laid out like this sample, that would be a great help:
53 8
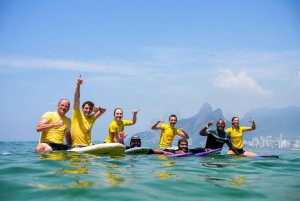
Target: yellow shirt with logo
56 134
167 135
114 126
236 136
82 128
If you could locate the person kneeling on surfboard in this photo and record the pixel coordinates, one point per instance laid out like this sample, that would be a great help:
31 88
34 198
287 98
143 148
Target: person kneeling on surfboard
168 131
135 141
217 138
183 147
116 127
54 127
236 136
82 122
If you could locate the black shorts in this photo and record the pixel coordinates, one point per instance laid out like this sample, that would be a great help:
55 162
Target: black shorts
241 151
57 146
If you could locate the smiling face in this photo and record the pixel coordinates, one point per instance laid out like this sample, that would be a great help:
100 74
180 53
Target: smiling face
118 114
63 107
235 122
173 120
183 145
87 110
220 124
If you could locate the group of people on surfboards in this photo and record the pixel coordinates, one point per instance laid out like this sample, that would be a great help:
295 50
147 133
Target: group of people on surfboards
55 126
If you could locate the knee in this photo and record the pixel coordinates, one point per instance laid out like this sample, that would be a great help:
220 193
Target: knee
39 148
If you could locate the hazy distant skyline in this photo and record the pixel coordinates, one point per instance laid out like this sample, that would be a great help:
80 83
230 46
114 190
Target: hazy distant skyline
156 56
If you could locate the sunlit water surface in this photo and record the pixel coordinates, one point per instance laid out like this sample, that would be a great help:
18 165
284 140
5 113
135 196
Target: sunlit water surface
26 175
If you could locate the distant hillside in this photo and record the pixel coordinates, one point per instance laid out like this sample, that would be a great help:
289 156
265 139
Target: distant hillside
269 122
273 122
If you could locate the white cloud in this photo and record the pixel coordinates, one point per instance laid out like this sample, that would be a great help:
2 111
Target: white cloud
297 82
226 79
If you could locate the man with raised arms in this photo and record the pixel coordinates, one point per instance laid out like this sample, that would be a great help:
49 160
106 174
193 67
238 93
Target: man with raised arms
116 127
54 127
168 131
82 122
217 138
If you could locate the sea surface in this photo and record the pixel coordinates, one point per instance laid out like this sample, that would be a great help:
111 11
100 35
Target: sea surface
60 175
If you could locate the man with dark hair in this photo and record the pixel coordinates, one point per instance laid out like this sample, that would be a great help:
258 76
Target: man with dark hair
135 141
183 147
168 132
82 122
217 138
54 127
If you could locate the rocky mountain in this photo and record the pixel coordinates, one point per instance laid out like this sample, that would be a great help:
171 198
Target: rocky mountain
269 121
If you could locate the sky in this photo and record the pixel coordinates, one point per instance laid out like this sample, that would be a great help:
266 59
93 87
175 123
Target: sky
160 57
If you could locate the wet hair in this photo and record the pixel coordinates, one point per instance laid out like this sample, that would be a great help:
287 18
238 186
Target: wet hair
62 100
116 110
173 115
182 140
89 103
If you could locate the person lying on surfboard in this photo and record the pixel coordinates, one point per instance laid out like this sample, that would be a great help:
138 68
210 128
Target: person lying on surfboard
83 121
116 127
217 138
236 136
183 147
168 131
54 127
135 141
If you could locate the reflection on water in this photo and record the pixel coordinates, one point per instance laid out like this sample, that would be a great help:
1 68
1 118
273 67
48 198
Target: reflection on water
237 181
165 175
112 178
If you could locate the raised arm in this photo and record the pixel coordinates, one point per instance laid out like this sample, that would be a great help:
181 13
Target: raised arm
183 133
203 130
77 93
99 111
156 126
44 125
134 118
253 127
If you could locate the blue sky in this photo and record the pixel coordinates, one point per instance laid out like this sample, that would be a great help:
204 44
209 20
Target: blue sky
160 57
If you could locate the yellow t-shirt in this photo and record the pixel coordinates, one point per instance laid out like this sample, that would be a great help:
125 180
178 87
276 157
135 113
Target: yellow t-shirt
236 136
114 127
82 128
167 135
56 134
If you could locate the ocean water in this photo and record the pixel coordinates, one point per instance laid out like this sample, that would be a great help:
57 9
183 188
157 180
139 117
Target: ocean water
26 175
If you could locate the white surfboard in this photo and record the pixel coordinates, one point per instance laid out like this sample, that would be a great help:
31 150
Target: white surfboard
110 149
137 151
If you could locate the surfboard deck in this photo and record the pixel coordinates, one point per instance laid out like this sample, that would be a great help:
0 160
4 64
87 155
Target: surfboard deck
179 155
265 156
110 149
214 151
137 151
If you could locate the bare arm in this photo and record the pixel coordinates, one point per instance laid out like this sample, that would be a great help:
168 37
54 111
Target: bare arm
203 130
157 151
231 147
99 111
77 93
68 138
184 134
156 126
44 125
122 136
253 127
134 118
